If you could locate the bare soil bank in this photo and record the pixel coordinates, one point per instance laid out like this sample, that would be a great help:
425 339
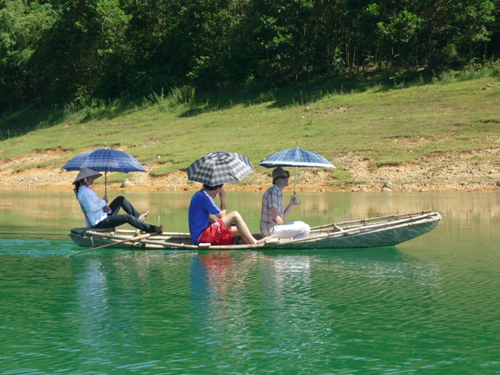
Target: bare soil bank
457 172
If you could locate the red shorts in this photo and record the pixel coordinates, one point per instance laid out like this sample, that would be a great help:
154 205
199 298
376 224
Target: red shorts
217 234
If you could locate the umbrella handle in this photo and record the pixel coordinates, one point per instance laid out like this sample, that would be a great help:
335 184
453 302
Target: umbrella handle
296 203
295 186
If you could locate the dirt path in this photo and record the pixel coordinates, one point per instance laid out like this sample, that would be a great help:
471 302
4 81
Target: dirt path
450 173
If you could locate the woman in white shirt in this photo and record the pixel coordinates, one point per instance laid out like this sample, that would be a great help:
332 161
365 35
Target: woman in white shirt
98 214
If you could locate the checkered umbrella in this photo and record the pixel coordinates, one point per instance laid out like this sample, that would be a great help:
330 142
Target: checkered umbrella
296 157
105 160
221 167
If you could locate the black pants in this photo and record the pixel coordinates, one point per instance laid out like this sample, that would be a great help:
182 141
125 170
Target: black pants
114 220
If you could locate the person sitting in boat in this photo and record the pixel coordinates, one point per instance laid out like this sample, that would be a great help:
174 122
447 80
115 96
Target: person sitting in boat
272 218
205 229
98 214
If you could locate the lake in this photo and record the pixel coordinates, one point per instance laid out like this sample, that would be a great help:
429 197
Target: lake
428 306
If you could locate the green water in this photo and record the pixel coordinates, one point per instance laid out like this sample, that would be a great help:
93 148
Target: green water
428 306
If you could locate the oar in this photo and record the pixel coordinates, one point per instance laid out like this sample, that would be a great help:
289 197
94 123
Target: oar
139 237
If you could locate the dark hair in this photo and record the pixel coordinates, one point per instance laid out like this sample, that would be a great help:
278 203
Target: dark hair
274 179
77 184
211 188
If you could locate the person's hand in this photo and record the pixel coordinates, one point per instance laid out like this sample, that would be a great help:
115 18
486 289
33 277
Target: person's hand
293 201
106 208
105 198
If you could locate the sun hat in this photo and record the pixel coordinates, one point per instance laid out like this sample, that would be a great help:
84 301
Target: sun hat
86 172
279 172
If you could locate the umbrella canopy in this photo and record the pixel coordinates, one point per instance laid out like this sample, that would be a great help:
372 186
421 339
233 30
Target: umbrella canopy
76 163
296 157
105 160
221 167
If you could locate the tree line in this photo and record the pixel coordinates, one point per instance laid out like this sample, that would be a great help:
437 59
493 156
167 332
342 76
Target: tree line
58 50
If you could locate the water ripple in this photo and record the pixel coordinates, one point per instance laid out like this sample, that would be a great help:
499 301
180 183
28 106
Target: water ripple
421 309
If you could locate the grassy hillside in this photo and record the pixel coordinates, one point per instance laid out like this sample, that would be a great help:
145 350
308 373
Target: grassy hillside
385 126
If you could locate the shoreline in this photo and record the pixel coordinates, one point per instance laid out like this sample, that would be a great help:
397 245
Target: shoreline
454 172
56 180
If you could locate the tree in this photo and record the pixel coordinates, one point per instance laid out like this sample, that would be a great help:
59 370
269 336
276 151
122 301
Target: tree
23 26
472 22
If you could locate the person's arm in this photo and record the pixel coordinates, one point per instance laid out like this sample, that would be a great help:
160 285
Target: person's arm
293 203
277 217
222 195
106 208
221 214
210 207
275 200
90 201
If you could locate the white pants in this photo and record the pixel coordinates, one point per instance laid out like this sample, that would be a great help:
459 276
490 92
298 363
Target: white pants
294 230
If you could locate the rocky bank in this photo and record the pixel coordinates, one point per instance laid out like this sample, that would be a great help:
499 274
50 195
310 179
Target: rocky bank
455 172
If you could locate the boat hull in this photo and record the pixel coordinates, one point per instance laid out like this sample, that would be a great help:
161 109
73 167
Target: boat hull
367 233
385 237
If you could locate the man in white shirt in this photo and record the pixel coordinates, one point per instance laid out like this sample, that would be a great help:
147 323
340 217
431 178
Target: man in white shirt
272 219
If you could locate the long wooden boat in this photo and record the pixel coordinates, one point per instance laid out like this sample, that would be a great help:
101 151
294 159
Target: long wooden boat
381 231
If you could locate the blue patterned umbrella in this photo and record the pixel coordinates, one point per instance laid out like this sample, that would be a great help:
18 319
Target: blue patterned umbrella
221 167
75 164
105 160
296 157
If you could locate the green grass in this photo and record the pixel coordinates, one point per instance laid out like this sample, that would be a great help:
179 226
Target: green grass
53 163
341 178
386 125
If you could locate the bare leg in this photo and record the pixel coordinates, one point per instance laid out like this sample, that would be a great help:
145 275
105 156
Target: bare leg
236 233
143 216
241 226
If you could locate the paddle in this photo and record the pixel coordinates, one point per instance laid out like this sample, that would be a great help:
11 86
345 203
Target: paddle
139 237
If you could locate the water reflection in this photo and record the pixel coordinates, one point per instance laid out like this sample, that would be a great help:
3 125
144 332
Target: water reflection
306 304
47 214
200 312
218 277
430 303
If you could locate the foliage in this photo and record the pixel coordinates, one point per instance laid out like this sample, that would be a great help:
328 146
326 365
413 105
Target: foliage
23 26
91 51
178 97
